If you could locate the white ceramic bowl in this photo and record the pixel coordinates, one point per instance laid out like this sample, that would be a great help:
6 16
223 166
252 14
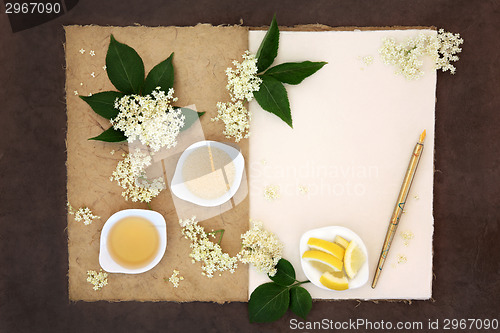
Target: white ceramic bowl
179 188
106 261
329 233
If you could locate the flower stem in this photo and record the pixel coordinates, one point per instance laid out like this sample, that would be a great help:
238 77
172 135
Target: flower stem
149 205
300 282
217 231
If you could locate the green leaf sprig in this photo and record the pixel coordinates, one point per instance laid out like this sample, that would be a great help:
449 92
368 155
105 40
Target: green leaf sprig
272 95
125 70
270 301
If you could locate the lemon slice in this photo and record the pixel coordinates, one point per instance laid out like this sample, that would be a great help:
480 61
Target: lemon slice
324 258
335 281
353 260
326 246
341 241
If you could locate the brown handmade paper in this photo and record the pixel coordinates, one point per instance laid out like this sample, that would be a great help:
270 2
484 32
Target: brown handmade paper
202 53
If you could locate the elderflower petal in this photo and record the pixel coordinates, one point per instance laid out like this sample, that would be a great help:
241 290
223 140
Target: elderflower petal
98 280
175 278
82 214
85 214
272 192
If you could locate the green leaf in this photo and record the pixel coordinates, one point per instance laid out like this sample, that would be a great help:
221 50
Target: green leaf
110 135
268 49
285 274
300 301
294 72
125 67
272 97
268 302
162 75
103 103
190 117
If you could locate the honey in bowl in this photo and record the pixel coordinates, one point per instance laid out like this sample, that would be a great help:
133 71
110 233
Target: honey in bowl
133 242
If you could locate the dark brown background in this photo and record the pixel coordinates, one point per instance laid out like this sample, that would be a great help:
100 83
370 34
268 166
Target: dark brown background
33 240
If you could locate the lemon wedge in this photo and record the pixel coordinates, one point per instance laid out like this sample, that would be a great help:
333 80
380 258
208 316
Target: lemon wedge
324 258
341 241
326 246
353 260
335 280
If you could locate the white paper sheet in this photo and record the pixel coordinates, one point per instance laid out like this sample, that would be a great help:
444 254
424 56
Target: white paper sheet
355 126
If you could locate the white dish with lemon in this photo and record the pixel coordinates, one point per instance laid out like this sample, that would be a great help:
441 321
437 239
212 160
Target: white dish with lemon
338 251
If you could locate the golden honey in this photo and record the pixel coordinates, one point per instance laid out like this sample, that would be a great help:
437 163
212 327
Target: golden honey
133 242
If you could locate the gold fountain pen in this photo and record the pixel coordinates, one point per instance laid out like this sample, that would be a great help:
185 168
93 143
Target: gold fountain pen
400 204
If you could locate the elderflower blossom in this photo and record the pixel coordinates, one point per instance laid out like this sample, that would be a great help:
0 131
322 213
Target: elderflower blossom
236 119
243 80
151 119
272 192
402 259
261 248
204 250
82 214
407 237
175 278
98 280
448 48
368 60
85 214
407 56
130 174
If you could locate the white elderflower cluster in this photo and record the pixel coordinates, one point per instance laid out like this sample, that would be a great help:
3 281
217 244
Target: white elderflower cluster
130 174
402 259
152 119
82 214
175 278
368 60
407 237
407 56
242 81
85 214
236 119
98 280
261 248
449 47
205 251
272 192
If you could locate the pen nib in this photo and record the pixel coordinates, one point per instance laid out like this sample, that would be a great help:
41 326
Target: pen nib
422 137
